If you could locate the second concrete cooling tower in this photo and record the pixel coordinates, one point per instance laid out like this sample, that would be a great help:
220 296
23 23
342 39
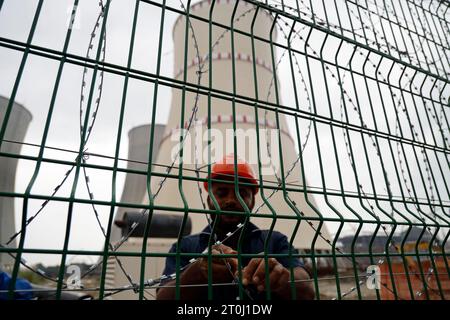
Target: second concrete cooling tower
17 126
135 186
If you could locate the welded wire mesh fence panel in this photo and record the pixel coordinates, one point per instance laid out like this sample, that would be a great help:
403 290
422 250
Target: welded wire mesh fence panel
113 114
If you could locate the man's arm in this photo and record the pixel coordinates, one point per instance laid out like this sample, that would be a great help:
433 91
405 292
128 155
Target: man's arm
197 273
190 276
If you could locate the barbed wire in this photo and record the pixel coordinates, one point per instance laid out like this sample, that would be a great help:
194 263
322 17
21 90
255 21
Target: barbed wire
353 165
377 35
276 175
193 116
161 183
41 272
93 289
292 183
93 119
296 33
345 294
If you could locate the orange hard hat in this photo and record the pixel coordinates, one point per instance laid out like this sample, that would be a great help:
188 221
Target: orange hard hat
225 167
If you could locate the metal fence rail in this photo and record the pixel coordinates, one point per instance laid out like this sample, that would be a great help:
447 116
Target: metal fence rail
362 85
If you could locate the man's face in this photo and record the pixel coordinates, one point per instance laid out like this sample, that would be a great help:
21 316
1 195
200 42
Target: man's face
228 201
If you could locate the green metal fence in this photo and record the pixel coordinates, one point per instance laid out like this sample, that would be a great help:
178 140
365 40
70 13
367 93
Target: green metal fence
364 85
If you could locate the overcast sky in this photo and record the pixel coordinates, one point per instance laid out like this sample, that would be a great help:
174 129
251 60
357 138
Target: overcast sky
39 78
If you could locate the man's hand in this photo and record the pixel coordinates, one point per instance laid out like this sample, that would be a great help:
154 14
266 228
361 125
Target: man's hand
197 273
220 271
255 273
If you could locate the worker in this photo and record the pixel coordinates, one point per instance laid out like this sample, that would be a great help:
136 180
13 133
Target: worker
225 270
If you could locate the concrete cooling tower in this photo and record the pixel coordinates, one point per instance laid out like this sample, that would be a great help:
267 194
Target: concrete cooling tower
135 186
16 129
166 144
195 147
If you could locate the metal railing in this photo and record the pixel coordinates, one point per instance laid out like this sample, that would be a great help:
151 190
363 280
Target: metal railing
365 86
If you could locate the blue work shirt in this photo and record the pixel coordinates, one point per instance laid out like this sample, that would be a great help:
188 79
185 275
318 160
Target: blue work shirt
253 243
